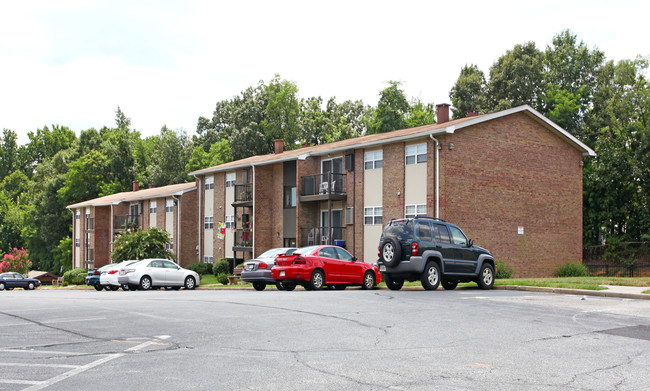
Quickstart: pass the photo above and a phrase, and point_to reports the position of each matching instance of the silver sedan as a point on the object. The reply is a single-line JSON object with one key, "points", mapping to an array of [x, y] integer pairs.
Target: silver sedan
{"points": [[155, 273], [258, 270]]}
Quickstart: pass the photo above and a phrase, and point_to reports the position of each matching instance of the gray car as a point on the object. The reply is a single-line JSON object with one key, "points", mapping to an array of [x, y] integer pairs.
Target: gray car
{"points": [[156, 273], [258, 270]]}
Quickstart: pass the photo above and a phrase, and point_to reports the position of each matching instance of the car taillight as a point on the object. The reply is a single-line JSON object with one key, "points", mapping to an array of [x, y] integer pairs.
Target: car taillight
{"points": [[262, 265], [379, 251], [97, 272], [415, 248], [299, 261], [130, 270], [112, 272]]}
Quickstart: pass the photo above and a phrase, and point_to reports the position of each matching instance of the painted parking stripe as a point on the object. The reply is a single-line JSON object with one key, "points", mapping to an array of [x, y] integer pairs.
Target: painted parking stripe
{"points": [[26, 382], [17, 364]]}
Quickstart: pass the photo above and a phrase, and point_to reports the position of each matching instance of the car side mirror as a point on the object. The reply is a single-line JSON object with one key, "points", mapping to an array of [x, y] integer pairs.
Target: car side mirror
{"points": [[470, 243], [354, 259]]}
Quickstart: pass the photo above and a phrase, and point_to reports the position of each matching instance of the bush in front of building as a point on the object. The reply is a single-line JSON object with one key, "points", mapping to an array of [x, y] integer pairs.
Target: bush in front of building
{"points": [[573, 269], [75, 276], [503, 269], [139, 244], [200, 267], [18, 262], [222, 278], [222, 266]]}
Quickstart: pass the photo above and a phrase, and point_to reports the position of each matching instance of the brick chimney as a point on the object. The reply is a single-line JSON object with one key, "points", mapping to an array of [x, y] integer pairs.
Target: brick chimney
{"points": [[472, 113], [136, 185], [279, 145], [151, 185], [442, 112]]}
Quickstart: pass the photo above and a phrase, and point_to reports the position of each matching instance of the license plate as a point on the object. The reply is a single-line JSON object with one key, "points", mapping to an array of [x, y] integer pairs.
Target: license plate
{"points": [[382, 268], [249, 267], [281, 273]]}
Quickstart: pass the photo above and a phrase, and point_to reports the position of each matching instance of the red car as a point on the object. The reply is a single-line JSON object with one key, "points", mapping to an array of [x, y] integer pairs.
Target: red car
{"points": [[316, 266]]}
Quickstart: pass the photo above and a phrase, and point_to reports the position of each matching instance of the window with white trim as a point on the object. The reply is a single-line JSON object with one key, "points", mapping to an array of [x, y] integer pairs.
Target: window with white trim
{"points": [[77, 242], [230, 221], [230, 179], [209, 183], [169, 206], [208, 222], [415, 210], [207, 259], [373, 159], [372, 215], [77, 215], [416, 153], [170, 245], [153, 206]]}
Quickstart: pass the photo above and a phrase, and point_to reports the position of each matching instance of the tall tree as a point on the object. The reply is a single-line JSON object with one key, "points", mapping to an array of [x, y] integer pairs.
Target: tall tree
{"points": [[469, 92], [282, 113], [391, 111], [170, 157]]}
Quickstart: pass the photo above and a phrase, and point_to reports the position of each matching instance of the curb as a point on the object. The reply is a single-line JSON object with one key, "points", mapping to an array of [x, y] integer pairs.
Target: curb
{"points": [[567, 291]]}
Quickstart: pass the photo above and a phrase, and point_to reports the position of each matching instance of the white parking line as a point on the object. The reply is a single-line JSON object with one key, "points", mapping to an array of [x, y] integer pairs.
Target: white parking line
{"points": [[10, 381], [17, 364], [52, 352]]}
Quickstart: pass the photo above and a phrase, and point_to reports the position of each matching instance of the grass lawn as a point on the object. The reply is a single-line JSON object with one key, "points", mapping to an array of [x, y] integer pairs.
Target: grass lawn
{"points": [[591, 283]]}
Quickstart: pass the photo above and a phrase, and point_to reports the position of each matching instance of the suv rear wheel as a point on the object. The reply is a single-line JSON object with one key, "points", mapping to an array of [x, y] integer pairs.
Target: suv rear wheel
{"points": [[431, 277], [391, 252], [486, 276], [394, 284]]}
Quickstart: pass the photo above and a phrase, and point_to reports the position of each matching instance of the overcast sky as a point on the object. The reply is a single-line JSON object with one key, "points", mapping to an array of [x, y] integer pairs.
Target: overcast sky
{"points": [[168, 62]]}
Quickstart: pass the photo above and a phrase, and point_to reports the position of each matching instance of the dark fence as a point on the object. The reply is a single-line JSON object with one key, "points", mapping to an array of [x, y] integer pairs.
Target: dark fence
{"points": [[626, 259], [619, 270], [326, 183]]}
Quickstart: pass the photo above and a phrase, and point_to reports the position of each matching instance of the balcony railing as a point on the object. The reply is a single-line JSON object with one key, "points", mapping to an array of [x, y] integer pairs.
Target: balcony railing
{"points": [[125, 222], [326, 183], [311, 236], [243, 240], [244, 193], [90, 223]]}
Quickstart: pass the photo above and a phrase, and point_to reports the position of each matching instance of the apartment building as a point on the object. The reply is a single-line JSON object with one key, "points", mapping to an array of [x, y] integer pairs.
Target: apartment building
{"points": [[511, 179], [96, 222]]}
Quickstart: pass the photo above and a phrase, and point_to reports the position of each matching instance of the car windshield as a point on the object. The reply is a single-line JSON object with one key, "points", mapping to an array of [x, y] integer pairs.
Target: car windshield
{"points": [[305, 250], [402, 229]]}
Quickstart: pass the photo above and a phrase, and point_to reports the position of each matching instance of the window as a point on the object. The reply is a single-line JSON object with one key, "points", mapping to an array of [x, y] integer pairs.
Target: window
{"points": [[207, 259], [170, 245], [372, 215], [416, 154], [208, 222], [415, 210], [153, 206], [334, 165], [373, 159], [230, 221], [343, 255], [77, 215], [423, 231], [442, 234], [169, 206], [77, 242], [327, 252], [289, 197], [209, 183], [230, 179], [457, 236]]}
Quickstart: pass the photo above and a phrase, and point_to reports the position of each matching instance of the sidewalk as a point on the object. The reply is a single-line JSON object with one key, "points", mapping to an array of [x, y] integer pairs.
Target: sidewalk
{"points": [[623, 292]]}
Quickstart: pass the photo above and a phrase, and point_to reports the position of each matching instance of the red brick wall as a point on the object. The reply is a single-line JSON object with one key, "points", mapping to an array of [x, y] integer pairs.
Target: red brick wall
{"points": [[189, 228], [266, 184], [355, 199], [102, 235], [393, 179], [508, 173]]}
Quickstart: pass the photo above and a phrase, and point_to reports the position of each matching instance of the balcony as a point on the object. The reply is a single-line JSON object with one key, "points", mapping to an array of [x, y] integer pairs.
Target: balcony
{"points": [[90, 223], [323, 187], [243, 240], [243, 195], [90, 258], [124, 222], [314, 236]]}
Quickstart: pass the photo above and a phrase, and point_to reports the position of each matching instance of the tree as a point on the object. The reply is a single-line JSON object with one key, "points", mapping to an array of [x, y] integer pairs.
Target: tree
{"points": [[46, 143], [391, 111], [420, 114], [170, 157], [139, 244], [84, 178], [281, 113], [516, 78], [219, 153], [8, 153], [62, 256], [469, 92]]}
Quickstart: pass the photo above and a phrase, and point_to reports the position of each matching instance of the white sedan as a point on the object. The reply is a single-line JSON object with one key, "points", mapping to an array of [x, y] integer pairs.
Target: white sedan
{"points": [[110, 273], [154, 273]]}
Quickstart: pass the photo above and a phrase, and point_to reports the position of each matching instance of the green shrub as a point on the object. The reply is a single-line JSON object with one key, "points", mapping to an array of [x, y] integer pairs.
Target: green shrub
{"points": [[75, 276], [503, 269], [200, 267], [221, 267], [222, 278], [573, 269]]}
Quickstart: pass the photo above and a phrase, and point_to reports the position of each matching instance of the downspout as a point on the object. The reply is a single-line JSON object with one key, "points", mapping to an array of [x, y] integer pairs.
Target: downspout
{"points": [[178, 228], [74, 249], [112, 233], [201, 218], [253, 217], [437, 175]]}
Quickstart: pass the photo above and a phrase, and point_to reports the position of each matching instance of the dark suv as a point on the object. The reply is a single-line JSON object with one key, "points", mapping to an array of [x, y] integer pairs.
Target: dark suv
{"points": [[433, 251]]}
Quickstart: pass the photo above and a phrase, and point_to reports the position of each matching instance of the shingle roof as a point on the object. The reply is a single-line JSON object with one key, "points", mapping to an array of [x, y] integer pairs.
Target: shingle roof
{"points": [[396, 135], [156, 192]]}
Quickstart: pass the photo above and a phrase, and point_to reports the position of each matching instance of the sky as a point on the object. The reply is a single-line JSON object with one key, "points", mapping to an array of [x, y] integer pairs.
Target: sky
{"points": [[73, 62]]}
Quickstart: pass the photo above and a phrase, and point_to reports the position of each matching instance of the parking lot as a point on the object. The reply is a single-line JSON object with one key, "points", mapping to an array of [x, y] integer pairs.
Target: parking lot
{"points": [[343, 340]]}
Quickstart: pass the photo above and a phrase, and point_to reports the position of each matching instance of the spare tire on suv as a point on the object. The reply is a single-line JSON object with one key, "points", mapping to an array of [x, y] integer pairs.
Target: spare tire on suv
{"points": [[431, 250]]}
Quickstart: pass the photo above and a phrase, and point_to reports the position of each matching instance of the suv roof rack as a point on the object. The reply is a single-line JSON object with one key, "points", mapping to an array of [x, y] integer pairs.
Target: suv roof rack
{"points": [[419, 217]]}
